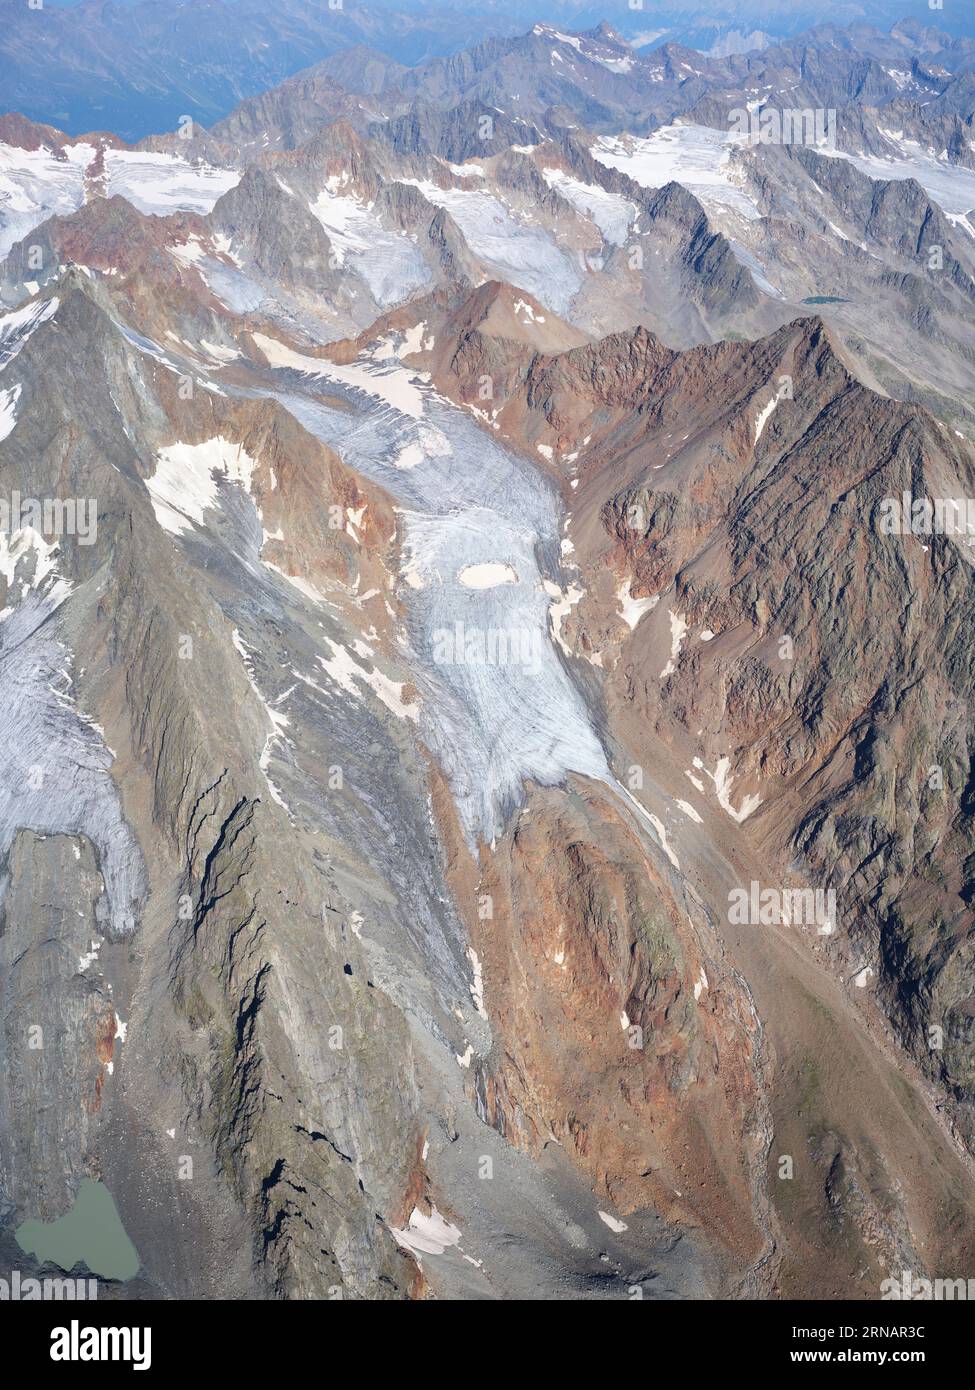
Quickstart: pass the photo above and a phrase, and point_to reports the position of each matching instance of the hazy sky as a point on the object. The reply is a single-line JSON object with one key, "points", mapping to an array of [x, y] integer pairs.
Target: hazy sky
{"points": [[137, 66]]}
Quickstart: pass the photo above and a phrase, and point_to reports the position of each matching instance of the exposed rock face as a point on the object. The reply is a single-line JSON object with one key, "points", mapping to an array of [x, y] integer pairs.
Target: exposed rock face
{"points": [[756, 552], [834, 718], [622, 1035], [280, 238], [468, 131], [220, 896], [59, 1021]]}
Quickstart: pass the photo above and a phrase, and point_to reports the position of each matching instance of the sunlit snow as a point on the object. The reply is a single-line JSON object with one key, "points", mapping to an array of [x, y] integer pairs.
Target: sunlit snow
{"points": [[17, 327], [695, 156], [611, 212], [389, 262], [951, 186], [8, 410], [522, 255], [34, 186], [161, 183], [184, 483]]}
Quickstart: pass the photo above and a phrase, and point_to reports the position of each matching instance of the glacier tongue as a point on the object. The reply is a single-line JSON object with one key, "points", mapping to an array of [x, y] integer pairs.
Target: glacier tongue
{"points": [[54, 776], [523, 255], [390, 264], [497, 704], [34, 186]]}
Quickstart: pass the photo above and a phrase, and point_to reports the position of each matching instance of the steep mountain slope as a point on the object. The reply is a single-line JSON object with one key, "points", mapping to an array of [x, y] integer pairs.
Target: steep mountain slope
{"points": [[329, 235], [136, 68], [583, 904], [486, 804], [740, 538]]}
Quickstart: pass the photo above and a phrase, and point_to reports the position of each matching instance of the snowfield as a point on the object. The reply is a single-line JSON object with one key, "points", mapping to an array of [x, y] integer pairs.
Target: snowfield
{"points": [[388, 262], [693, 155], [184, 484], [611, 212], [951, 186], [161, 183], [522, 255], [8, 411], [34, 186], [17, 327]]}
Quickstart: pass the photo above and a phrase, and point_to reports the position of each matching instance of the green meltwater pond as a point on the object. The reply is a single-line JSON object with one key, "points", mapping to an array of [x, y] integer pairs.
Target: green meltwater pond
{"points": [[91, 1233]]}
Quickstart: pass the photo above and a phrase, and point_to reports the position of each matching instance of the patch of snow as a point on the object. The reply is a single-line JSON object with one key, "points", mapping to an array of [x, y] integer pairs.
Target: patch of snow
{"points": [[409, 456], [188, 252], [522, 308], [17, 327], [346, 672], [477, 988], [26, 544], [722, 786], [633, 609], [678, 627], [278, 721], [90, 958], [224, 247], [661, 830], [559, 610], [764, 415], [184, 484], [426, 1233], [611, 212], [958, 219], [8, 410], [616, 1226], [486, 576], [219, 352], [296, 581]]}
